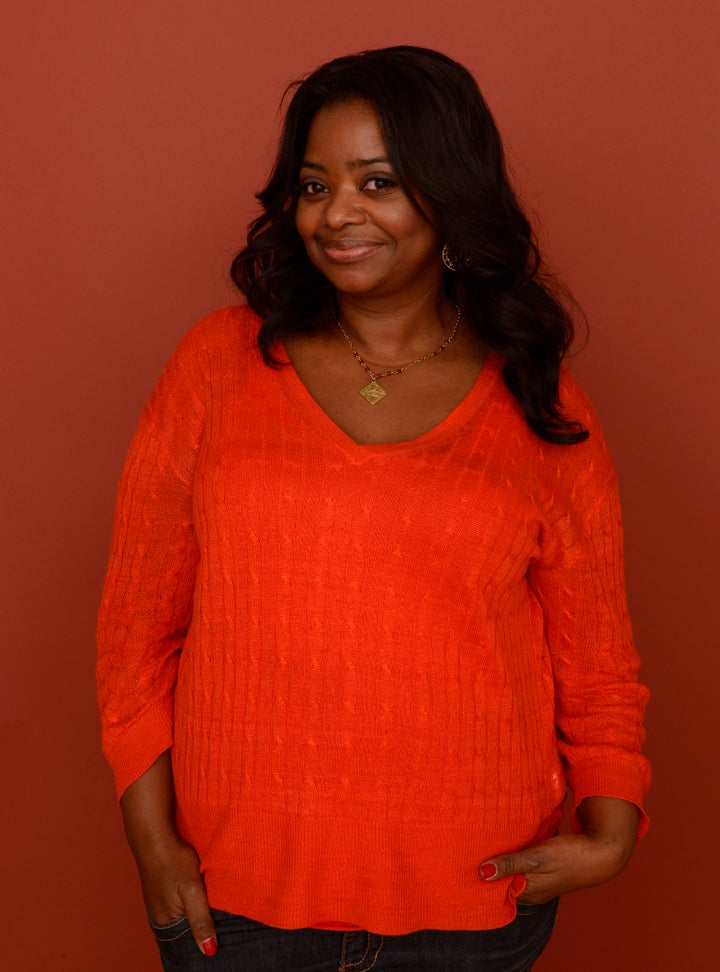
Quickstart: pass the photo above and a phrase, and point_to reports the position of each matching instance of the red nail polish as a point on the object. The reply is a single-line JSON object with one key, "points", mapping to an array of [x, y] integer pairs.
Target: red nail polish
{"points": [[209, 946], [488, 871]]}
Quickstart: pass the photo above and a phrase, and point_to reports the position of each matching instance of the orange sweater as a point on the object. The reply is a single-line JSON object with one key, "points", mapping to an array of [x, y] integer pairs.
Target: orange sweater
{"points": [[376, 665]]}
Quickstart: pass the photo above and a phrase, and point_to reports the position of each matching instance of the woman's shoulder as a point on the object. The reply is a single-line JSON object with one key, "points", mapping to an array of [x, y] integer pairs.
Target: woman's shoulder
{"points": [[219, 342], [573, 397], [577, 406], [589, 460], [233, 327]]}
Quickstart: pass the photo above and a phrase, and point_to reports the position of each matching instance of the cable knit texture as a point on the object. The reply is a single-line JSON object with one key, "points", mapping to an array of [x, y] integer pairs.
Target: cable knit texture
{"points": [[376, 665]]}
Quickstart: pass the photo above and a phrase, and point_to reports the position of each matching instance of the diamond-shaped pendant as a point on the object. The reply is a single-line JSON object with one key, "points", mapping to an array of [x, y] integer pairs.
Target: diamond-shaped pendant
{"points": [[373, 393]]}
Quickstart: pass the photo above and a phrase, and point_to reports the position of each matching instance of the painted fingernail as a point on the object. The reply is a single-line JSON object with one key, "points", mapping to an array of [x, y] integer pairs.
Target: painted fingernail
{"points": [[488, 871], [209, 946]]}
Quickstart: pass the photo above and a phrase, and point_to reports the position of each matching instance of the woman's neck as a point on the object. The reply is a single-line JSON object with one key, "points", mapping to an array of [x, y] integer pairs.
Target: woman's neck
{"points": [[386, 331]]}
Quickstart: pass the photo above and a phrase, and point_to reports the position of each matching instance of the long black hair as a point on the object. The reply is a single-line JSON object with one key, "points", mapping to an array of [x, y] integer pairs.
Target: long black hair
{"points": [[445, 147]]}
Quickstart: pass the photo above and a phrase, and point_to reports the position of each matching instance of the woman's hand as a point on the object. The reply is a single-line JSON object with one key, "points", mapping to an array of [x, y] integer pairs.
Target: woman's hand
{"points": [[172, 884], [173, 888], [573, 861]]}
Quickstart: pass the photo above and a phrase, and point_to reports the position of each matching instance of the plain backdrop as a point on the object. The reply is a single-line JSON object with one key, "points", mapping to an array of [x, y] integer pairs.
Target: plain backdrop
{"points": [[134, 136]]}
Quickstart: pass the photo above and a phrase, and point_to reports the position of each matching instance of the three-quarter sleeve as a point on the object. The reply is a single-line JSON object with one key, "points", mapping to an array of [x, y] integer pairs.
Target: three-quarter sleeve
{"points": [[147, 598], [579, 582]]}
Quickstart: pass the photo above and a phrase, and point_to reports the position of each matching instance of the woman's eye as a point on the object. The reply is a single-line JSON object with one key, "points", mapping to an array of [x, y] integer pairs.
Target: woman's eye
{"points": [[312, 188], [379, 183]]}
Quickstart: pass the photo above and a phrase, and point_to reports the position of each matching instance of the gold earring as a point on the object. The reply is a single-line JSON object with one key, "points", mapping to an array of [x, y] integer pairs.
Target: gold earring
{"points": [[452, 261]]}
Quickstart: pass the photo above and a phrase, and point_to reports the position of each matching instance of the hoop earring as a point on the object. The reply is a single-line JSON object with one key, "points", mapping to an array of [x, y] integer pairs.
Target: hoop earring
{"points": [[452, 261]]}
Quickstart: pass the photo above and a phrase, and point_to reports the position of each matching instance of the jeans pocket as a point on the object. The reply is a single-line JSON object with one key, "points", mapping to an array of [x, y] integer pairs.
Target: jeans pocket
{"points": [[526, 909], [172, 931]]}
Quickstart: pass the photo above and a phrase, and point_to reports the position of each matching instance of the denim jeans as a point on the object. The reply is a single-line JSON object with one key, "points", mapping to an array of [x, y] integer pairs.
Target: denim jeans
{"points": [[248, 946]]}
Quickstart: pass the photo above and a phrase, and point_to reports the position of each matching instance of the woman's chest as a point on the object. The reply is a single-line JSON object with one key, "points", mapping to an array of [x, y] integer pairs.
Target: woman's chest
{"points": [[372, 407], [467, 505]]}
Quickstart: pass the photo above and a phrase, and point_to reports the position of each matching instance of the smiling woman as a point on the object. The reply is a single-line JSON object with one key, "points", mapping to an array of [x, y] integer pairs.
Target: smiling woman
{"points": [[358, 637]]}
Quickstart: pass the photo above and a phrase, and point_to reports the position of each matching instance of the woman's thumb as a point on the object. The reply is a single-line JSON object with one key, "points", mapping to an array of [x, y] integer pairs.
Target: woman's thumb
{"points": [[506, 865], [201, 923]]}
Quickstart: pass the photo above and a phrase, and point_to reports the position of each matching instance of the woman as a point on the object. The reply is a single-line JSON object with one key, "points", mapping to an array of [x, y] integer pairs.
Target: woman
{"points": [[364, 618]]}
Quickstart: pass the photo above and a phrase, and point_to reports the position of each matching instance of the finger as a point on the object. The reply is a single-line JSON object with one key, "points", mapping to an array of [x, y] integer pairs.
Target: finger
{"points": [[505, 865], [200, 920]]}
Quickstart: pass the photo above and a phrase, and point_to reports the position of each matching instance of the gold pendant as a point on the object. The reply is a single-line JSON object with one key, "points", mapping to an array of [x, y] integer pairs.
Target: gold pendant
{"points": [[373, 393]]}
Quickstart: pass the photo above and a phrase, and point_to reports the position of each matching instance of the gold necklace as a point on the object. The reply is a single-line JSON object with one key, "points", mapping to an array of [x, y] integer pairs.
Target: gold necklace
{"points": [[374, 393]]}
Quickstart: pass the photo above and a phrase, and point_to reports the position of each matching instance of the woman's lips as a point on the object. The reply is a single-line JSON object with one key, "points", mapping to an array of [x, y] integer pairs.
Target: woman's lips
{"points": [[348, 251]]}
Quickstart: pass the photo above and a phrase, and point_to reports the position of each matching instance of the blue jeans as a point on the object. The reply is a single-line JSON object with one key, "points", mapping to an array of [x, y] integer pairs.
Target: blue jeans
{"points": [[248, 946]]}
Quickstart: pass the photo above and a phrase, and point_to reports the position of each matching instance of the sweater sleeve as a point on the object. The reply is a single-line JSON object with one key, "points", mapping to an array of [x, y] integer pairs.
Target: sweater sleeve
{"points": [[579, 582], [147, 598]]}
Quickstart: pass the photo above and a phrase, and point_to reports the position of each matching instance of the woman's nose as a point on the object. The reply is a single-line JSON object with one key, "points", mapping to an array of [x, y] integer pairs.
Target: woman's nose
{"points": [[344, 206]]}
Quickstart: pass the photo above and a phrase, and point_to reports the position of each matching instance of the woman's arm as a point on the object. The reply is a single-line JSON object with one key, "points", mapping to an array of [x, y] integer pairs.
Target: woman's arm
{"points": [[171, 881], [599, 703], [147, 600], [573, 861]]}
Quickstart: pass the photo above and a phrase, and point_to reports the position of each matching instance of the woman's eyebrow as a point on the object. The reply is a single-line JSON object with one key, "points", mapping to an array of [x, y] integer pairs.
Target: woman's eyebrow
{"points": [[351, 164], [364, 163]]}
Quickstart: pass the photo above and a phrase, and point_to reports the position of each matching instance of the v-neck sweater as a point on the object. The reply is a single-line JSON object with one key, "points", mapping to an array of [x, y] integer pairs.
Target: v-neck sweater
{"points": [[376, 665]]}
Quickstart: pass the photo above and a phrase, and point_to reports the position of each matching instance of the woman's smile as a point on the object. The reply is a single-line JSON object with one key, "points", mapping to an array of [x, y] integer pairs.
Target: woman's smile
{"points": [[349, 250]]}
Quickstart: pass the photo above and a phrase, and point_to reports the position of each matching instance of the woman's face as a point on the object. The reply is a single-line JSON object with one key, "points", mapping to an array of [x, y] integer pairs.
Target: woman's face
{"points": [[356, 221]]}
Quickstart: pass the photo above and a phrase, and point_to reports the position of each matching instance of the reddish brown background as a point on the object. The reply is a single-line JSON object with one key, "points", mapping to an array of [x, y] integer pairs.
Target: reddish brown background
{"points": [[137, 133]]}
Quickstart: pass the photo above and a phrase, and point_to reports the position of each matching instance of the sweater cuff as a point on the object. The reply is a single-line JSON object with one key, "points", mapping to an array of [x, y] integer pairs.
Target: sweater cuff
{"points": [[140, 745], [611, 778]]}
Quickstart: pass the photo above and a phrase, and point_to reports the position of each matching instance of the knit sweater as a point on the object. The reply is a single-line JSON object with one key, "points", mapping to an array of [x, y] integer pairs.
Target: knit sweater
{"points": [[376, 665]]}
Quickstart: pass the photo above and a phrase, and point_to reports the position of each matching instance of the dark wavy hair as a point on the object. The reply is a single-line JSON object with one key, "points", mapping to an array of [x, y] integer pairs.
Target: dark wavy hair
{"points": [[445, 148]]}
